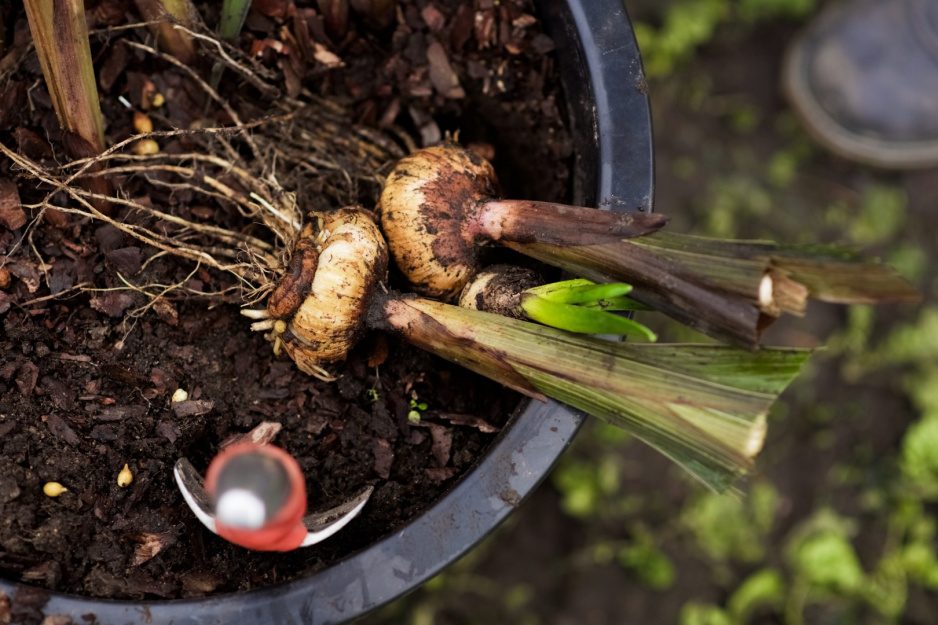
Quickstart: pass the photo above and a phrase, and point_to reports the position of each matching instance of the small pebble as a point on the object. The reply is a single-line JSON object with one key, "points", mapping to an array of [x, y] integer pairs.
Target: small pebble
{"points": [[180, 395]]}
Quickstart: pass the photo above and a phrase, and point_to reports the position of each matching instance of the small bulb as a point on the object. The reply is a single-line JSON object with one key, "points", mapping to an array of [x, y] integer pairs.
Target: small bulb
{"points": [[145, 147], [125, 477], [142, 122], [180, 395], [53, 489]]}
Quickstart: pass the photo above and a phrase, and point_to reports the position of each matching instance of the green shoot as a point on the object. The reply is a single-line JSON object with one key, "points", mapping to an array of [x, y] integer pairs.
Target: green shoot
{"points": [[233, 14], [582, 306], [415, 409], [580, 291]]}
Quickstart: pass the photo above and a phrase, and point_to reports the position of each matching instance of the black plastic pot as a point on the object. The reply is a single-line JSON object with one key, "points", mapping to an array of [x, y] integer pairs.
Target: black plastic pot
{"points": [[606, 95]]}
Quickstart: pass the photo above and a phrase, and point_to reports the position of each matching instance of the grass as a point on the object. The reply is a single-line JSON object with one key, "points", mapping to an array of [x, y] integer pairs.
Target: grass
{"points": [[840, 525]]}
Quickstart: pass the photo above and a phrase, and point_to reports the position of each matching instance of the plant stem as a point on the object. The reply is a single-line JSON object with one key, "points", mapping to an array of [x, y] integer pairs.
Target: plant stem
{"points": [[61, 38], [703, 406], [730, 290], [177, 42], [559, 224], [233, 14]]}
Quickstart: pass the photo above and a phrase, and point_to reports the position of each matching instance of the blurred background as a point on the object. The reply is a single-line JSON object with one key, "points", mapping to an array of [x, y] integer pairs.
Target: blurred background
{"points": [[839, 525]]}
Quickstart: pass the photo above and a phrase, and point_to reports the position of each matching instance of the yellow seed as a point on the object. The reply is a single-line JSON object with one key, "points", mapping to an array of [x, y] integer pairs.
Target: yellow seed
{"points": [[157, 100], [125, 477], [146, 146], [53, 489], [142, 122], [180, 395]]}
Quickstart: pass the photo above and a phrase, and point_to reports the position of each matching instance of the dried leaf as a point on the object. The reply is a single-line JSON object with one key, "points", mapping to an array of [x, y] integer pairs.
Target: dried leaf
{"points": [[12, 214], [118, 413], [26, 271], [62, 430], [193, 407], [166, 311], [26, 378], [150, 545], [112, 304], [384, 458], [262, 434], [168, 430], [31, 144], [458, 418], [125, 260], [442, 442], [322, 54], [63, 396]]}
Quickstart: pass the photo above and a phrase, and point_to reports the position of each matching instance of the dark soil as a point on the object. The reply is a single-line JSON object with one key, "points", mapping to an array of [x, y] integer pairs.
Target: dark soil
{"points": [[84, 390]]}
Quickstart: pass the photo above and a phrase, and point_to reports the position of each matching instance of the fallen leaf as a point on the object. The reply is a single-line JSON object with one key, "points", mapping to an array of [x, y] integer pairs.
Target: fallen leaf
{"points": [[324, 56], [193, 407], [458, 418], [168, 430], [384, 458], [166, 311], [27, 272], [26, 378], [149, 545], [62, 430], [125, 260], [262, 434], [442, 437], [112, 304]]}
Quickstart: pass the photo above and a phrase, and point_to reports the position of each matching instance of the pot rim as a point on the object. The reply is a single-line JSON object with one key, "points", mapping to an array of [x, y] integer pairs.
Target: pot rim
{"points": [[606, 95]]}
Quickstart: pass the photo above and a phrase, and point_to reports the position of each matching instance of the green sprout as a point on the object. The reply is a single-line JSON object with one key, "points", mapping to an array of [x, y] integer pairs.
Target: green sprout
{"points": [[586, 307], [373, 395], [233, 14], [415, 409]]}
